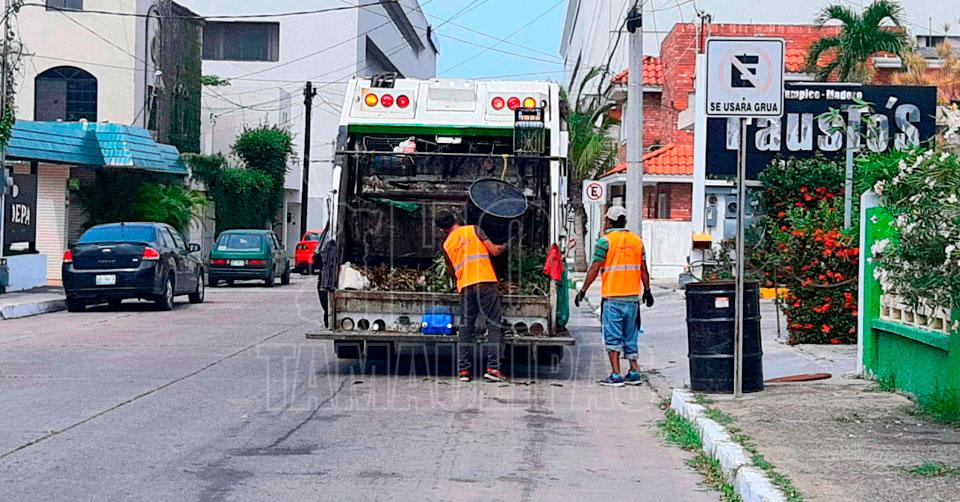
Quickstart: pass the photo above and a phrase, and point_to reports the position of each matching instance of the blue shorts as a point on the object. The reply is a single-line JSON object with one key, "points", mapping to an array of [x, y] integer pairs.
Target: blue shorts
{"points": [[618, 320]]}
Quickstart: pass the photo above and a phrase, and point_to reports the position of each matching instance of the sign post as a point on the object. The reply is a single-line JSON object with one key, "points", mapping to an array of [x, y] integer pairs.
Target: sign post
{"points": [[744, 80]]}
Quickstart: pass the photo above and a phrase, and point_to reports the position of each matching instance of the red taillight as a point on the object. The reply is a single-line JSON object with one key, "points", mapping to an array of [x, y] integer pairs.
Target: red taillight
{"points": [[256, 262], [403, 101], [150, 254], [513, 103], [386, 100], [218, 261], [68, 256], [498, 103]]}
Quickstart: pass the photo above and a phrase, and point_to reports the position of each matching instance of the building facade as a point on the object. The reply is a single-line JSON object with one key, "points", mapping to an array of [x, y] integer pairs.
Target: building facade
{"points": [[98, 65], [268, 60]]}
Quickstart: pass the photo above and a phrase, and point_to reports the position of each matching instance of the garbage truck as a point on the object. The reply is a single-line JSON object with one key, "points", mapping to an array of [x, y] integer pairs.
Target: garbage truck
{"points": [[407, 149]]}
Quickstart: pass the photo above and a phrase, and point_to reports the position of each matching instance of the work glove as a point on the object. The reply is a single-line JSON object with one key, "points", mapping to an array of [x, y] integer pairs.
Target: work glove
{"points": [[579, 298], [648, 298]]}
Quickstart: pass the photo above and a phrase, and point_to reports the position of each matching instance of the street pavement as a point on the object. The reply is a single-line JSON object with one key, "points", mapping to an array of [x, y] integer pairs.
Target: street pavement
{"points": [[228, 401]]}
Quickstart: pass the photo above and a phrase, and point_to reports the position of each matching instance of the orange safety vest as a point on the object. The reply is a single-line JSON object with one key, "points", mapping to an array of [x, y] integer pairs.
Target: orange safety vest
{"points": [[620, 275], [471, 261]]}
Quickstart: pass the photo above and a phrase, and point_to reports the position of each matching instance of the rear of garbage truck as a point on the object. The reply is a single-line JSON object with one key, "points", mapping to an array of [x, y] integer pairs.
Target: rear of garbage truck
{"points": [[491, 152]]}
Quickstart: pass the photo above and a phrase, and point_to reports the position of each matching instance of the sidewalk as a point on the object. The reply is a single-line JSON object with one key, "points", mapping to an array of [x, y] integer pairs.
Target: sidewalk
{"points": [[31, 302], [836, 439]]}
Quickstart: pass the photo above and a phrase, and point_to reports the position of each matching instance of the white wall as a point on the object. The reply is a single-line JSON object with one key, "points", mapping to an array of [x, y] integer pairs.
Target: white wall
{"points": [[327, 49], [107, 46]]}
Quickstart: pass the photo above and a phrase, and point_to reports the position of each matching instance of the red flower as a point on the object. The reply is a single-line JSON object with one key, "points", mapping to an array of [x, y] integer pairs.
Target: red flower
{"points": [[781, 214], [826, 328], [804, 189], [835, 341]]}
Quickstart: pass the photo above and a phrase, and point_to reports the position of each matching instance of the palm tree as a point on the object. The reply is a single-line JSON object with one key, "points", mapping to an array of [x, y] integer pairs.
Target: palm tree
{"points": [[591, 152], [861, 36]]}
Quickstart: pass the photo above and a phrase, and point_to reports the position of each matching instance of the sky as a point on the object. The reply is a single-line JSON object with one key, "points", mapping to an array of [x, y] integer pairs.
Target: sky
{"points": [[532, 29], [537, 38]]}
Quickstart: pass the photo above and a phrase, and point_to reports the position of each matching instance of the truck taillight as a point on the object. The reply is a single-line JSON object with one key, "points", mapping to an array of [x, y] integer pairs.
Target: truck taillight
{"points": [[150, 254], [498, 103], [371, 99], [403, 101], [513, 103], [68, 256], [386, 100], [529, 103]]}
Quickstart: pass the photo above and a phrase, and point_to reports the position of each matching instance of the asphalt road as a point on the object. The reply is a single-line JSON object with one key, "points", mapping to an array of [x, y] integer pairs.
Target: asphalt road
{"points": [[228, 401]]}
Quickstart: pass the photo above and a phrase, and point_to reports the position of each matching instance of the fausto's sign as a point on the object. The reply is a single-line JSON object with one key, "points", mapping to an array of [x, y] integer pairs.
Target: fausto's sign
{"points": [[898, 116]]}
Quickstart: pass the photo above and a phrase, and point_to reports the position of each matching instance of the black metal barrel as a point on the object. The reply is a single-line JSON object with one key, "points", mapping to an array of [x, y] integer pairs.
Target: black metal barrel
{"points": [[711, 328], [496, 206]]}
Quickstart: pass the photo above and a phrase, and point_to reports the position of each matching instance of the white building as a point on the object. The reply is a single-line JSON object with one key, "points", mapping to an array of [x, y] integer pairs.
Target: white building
{"points": [[96, 61], [268, 60]]}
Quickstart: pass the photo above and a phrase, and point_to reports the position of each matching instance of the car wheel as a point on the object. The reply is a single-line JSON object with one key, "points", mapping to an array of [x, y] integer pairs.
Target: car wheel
{"points": [[115, 303], [212, 281], [197, 296], [285, 278], [74, 305], [270, 280], [165, 302]]}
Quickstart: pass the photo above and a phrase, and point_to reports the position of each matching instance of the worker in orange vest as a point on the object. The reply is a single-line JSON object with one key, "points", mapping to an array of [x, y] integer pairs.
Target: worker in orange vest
{"points": [[620, 261], [468, 251]]}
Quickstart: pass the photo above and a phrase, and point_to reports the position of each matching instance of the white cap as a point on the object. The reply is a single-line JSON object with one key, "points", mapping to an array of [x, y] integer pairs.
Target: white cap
{"points": [[616, 212]]}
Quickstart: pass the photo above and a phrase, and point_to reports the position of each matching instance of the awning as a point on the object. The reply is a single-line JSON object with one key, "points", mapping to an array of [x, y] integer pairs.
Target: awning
{"points": [[93, 144]]}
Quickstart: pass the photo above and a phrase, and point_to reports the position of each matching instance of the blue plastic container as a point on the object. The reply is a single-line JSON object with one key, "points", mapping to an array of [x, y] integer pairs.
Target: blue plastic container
{"points": [[437, 321]]}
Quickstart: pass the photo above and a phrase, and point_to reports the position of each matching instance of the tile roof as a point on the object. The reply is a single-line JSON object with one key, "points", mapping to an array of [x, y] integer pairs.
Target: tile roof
{"points": [[652, 72], [795, 60], [671, 160], [93, 144]]}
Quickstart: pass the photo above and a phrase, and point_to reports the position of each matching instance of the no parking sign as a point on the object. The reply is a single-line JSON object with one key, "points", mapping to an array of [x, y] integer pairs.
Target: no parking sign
{"points": [[594, 192]]}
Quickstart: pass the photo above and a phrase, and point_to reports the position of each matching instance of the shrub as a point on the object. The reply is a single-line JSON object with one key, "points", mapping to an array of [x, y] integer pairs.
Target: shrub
{"points": [[921, 190], [116, 197], [243, 198], [802, 246]]}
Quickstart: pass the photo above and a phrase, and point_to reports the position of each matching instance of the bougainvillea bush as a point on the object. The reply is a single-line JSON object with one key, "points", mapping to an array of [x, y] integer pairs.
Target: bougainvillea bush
{"points": [[802, 246], [921, 190]]}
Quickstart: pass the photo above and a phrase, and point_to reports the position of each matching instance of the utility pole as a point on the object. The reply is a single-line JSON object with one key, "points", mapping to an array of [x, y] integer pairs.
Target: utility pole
{"points": [[4, 68], [634, 118], [308, 94]]}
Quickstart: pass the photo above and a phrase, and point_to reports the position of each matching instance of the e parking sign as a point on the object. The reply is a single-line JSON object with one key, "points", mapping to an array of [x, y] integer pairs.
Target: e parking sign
{"points": [[744, 77], [594, 192]]}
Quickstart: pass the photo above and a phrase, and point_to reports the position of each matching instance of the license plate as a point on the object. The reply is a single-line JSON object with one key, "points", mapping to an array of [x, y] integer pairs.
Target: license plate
{"points": [[106, 280], [237, 263]]}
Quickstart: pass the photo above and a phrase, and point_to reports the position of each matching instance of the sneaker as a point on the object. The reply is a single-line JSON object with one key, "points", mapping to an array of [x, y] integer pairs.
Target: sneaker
{"points": [[614, 380], [494, 375], [465, 376], [633, 378]]}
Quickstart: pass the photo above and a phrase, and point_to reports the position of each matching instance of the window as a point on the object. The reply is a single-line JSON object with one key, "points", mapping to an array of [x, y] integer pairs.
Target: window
{"points": [[663, 205], [178, 240], [229, 41], [66, 93], [240, 242], [64, 4], [119, 233]]}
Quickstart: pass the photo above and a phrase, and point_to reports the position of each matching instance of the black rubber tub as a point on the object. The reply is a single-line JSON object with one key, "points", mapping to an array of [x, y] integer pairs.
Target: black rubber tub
{"points": [[497, 207], [711, 325]]}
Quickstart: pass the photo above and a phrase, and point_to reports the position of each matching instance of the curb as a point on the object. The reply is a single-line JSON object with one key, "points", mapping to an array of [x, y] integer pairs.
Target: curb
{"points": [[750, 483], [19, 310]]}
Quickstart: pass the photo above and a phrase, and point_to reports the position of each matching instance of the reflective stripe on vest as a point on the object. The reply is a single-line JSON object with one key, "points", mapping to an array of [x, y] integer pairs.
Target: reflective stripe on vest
{"points": [[470, 259], [621, 271]]}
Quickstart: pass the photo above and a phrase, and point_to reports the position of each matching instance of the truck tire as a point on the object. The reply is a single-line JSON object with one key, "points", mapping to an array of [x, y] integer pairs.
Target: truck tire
{"points": [[74, 305], [348, 350]]}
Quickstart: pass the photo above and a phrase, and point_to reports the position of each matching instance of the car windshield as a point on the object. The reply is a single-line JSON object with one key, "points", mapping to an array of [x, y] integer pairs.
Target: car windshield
{"points": [[119, 233], [312, 237], [240, 242]]}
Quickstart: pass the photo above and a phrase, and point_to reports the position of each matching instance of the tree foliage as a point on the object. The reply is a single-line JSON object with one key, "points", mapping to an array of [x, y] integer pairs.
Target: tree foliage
{"points": [[133, 196], [946, 77], [862, 35], [266, 149]]}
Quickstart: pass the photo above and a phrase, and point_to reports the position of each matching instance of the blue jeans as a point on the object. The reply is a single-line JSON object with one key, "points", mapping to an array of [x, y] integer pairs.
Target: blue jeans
{"points": [[618, 320]]}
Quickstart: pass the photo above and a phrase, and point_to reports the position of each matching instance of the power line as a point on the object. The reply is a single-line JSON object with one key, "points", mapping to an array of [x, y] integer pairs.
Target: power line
{"points": [[215, 17], [518, 30]]}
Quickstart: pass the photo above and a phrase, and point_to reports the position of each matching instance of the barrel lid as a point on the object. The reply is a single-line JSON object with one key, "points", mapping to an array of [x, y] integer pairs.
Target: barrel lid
{"points": [[498, 198]]}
